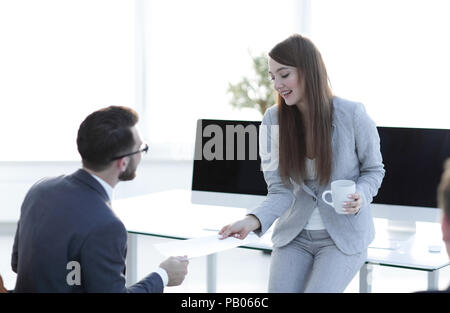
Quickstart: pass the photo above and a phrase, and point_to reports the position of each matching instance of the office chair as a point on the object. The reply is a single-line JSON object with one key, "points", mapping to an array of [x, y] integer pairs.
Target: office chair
{"points": [[2, 288]]}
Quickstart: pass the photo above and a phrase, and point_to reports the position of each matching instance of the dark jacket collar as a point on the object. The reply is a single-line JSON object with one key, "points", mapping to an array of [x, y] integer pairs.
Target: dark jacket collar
{"points": [[87, 179]]}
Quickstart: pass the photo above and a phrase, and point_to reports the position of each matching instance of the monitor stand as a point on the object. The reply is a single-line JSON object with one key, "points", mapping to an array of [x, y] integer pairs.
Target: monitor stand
{"points": [[401, 230]]}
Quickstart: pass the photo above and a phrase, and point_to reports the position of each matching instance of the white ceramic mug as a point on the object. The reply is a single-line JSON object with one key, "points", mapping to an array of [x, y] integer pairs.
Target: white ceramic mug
{"points": [[340, 189]]}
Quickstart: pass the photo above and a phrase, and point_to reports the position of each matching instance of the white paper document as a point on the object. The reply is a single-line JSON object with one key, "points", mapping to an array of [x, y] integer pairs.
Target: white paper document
{"points": [[202, 246]]}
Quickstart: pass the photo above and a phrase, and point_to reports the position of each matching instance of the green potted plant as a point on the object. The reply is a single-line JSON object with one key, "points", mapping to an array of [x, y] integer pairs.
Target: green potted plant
{"points": [[256, 92]]}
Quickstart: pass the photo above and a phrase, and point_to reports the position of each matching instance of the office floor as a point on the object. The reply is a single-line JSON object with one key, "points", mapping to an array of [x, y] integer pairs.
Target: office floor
{"points": [[239, 270]]}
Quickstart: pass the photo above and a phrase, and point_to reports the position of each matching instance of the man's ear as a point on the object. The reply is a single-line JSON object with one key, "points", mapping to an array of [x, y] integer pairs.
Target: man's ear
{"points": [[122, 163], [445, 226]]}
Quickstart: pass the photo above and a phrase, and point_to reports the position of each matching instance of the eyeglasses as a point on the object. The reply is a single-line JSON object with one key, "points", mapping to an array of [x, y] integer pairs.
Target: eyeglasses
{"points": [[143, 149]]}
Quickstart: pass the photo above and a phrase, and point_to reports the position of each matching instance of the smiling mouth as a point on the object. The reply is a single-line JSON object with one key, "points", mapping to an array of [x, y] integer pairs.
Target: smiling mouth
{"points": [[286, 93]]}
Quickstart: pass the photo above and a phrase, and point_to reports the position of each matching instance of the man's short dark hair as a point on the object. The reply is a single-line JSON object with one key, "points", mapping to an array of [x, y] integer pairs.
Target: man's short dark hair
{"points": [[104, 134], [444, 189]]}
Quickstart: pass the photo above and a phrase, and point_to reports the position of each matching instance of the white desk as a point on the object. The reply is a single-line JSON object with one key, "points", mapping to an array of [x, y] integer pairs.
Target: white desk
{"points": [[171, 214], [408, 251]]}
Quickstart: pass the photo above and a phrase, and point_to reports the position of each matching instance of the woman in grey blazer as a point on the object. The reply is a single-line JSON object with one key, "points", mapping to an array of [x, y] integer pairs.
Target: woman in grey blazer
{"points": [[309, 139]]}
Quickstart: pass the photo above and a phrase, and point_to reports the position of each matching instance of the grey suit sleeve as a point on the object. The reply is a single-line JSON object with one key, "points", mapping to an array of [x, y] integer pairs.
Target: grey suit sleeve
{"points": [[279, 197], [103, 263], [369, 154]]}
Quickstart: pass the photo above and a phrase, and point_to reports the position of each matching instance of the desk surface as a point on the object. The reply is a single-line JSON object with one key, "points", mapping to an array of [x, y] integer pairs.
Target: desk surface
{"points": [[171, 214]]}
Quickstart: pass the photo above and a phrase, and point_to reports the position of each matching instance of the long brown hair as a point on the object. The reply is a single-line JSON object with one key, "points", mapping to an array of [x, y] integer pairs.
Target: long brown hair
{"points": [[301, 53]]}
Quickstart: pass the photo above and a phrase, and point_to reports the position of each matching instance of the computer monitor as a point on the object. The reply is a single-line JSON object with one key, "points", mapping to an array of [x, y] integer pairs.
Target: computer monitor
{"points": [[413, 159], [227, 166]]}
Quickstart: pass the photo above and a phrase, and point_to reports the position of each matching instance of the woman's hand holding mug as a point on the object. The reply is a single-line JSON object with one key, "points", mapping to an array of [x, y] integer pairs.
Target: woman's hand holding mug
{"points": [[345, 199]]}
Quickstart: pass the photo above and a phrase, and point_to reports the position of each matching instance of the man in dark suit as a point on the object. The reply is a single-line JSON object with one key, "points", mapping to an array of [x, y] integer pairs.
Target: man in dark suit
{"points": [[444, 203], [68, 239], [443, 195]]}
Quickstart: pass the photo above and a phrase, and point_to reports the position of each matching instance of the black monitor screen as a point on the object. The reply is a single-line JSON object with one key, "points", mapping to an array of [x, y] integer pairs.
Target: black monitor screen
{"points": [[413, 160], [227, 158]]}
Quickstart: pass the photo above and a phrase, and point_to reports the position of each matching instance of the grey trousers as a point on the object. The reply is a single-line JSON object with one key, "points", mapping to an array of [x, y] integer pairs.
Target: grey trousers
{"points": [[312, 263]]}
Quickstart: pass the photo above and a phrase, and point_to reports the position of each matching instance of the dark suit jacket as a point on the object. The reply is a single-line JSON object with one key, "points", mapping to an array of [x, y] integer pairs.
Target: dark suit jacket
{"points": [[65, 219]]}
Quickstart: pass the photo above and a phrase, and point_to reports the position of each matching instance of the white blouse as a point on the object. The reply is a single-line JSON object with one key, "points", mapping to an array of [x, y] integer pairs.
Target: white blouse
{"points": [[315, 221]]}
